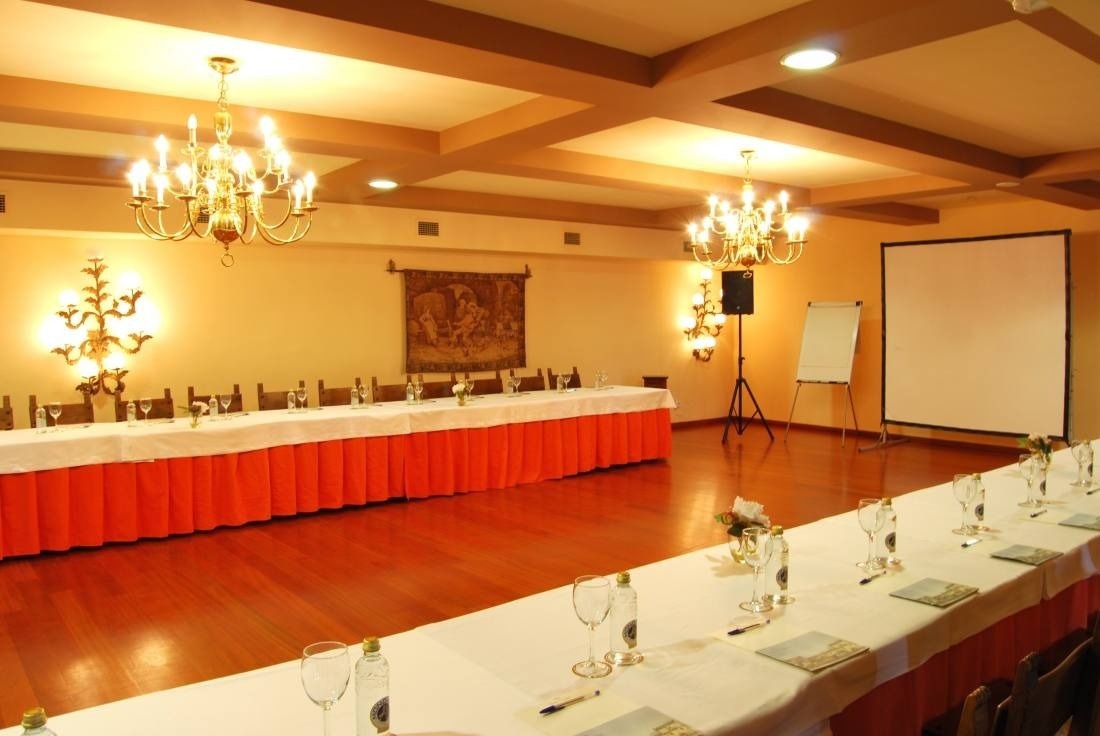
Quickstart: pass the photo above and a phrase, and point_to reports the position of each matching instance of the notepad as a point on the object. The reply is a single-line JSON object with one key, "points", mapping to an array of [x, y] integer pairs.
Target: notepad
{"points": [[642, 722], [813, 651], [933, 592], [1082, 521], [1025, 554]]}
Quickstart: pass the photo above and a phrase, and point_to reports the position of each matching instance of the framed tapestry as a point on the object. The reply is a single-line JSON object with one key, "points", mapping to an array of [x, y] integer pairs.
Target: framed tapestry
{"points": [[456, 321]]}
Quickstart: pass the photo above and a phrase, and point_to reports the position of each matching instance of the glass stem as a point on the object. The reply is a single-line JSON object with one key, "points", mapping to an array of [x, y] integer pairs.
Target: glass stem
{"points": [[755, 581], [966, 507], [1080, 474], [325, 719], [870, 550], [591, 644]]}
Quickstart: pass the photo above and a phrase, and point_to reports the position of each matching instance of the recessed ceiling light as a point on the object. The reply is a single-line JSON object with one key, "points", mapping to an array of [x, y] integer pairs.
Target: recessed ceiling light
{"points": [[383, 184], [809, 59]]}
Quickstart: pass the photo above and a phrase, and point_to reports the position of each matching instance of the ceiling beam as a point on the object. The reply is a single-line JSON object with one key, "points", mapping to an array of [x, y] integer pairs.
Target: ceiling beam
{"points": [[893, 213], [1066, 31], [886, 190]]}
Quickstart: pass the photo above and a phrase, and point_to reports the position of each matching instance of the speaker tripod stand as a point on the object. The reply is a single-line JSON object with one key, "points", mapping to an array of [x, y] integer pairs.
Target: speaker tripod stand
{"points": [[737, 402]]}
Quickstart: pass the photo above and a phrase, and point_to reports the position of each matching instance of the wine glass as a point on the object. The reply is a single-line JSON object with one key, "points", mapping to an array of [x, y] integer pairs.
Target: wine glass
{"points": [[364, 395], [55, 411], [225, 400], [325, 673], [964, 487], [470, 389], [513, 386], [1082, 453], [591, 601], [418, 390], [301, 394], [565, 378], [145, 404], [756, 546], [1030, 469], [871, 518]]}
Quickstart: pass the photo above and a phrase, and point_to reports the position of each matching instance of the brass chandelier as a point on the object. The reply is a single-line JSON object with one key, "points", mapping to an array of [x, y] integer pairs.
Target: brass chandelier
{"points": [[748, 234], [222, 193]]}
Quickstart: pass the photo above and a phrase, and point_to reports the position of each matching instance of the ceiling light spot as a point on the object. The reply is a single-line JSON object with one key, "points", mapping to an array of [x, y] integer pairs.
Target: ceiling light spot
{"points": [[383, 184], [809, 59]]}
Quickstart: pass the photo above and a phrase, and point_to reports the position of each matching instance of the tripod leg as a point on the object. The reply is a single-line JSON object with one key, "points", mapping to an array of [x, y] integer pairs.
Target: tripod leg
{"points": [[729, 415], [797, 388], [763, 420]]}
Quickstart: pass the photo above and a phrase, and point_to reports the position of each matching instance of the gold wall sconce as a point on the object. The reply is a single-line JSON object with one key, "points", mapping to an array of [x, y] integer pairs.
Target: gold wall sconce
{"points": [[706, 323]]}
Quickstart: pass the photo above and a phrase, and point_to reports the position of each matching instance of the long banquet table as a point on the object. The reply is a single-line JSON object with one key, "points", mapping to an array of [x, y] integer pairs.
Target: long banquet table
{"points": [[489, 672], [89, 485]]}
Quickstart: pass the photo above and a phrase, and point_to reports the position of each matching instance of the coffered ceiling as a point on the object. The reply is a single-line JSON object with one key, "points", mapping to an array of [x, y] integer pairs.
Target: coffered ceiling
{"points": [[607, 111]]}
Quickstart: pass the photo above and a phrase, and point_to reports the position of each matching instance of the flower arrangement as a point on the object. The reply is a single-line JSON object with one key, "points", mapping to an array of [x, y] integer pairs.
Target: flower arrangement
{"points": [[460, 390], [742, 515], [1037, 444], [196, 410]]}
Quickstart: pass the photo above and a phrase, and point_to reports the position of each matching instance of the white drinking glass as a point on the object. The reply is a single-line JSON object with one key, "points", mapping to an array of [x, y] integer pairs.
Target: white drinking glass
{"points": [[871, 518], [325, 673], [364, 395], [756, 547], [145, 404], [225, 400], [964, 488], [1031, 470], [565, 378], [591, 602], [1082, 453], [54, 407], [301, 395]]}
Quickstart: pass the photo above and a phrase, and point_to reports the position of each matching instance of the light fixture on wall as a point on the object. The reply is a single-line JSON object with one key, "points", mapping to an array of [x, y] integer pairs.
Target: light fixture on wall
{"points": [[702, 329], [748, 234], [97, 338], [221, 192]]}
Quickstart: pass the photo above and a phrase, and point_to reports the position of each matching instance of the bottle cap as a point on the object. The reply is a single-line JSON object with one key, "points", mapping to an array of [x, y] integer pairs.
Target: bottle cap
{"points": [[887, 502], [623, 578], [777, 531], [371, 645], [34, 717]]}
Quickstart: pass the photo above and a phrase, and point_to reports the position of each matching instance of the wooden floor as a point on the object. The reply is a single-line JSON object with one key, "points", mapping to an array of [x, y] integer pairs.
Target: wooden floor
{"points": [[92, 626]]}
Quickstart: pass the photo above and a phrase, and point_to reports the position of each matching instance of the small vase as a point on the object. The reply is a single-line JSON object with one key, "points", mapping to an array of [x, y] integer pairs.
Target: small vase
{"points": [[735, 549], [194, 421], [1043, 458], [461, 399]]}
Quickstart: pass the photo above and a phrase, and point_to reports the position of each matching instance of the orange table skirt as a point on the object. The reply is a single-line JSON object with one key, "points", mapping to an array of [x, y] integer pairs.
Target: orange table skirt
{"points": [[91, 505], [901, 705]]}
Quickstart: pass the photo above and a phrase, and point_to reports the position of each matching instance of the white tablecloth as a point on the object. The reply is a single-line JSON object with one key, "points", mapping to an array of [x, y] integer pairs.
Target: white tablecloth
{"points": [[487, 673], [24, 450]]}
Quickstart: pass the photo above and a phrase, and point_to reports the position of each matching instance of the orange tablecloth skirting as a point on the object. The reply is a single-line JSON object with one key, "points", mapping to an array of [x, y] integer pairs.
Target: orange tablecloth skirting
{"points": [[91, 505], [901, 705]]}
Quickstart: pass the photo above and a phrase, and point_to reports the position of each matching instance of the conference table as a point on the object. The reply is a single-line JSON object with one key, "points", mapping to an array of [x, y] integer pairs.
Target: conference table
{"points": [[88, 485], [488, 673]]}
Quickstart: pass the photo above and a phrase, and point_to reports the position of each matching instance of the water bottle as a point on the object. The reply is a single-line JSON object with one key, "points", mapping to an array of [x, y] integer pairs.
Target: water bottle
{"points": [[372, 690], [213, 406], [410, 394], [291, 402], [776, 571], [34, 722], [886, 538], [131, 414], [354, 396], [560, 384], [624, 623], [975, 514]]}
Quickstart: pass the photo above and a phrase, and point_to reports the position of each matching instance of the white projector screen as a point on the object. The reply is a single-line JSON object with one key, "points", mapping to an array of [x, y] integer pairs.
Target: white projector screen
{"points": [[975, 334]]}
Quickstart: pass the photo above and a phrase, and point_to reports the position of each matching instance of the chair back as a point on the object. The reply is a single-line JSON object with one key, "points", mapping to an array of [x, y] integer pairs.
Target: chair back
{"points": [[7, 417], [236, 404], [162, 407], [337, 396], [386, 392], [1086, 715], [530, 383], [975, 720], [435, 389], [1041, 704], [269, 400], [552, 378], [76, 413], [487, 384]]}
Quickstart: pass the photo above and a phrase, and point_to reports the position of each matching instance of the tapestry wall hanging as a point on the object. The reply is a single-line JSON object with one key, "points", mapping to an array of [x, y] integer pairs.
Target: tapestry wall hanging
{"points": [[462, 322]]}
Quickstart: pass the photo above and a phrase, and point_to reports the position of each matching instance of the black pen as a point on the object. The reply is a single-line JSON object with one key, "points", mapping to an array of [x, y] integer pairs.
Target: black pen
{"points": [[869, 578], [566, 703], [1094, 490], [970, 543], [750, 627], [1037, 513]]}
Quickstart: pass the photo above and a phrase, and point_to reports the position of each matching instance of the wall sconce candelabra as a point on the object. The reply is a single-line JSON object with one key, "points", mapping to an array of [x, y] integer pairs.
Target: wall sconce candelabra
{"points": [[97, 332], [703, 328], [748, 233]]}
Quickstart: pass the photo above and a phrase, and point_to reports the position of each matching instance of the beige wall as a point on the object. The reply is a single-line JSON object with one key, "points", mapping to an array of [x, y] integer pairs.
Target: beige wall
{"points": [[326, 308]]}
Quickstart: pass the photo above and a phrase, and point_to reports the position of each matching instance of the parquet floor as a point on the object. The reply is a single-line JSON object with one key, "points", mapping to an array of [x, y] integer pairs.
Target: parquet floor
{"points": [[92, 626]]}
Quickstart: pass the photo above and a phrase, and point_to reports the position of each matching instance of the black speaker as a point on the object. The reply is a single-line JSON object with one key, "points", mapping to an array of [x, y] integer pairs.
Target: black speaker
{"points": [[737, 292]]}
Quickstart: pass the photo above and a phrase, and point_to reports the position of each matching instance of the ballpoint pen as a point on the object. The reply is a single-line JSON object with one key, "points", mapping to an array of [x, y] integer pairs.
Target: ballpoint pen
{"points": [[750, 627], [555, 707], [869, 578], [1037, 513], [970, 542]]}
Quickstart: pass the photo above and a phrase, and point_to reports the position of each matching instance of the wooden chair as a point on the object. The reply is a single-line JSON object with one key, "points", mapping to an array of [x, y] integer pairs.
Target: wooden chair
{"points": [[1041, 704], [340, 396], [236, 404], [386, 392], [434, 389], [487, 385], [552, 379], [76, 413], [1086, 716], [162, 408], [270, 400], [976, 712], [530, 383], [7, 417]]}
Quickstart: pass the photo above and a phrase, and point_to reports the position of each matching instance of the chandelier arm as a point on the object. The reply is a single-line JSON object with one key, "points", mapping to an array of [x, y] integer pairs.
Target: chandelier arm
{"points": [[141, 218], [294, 236]]}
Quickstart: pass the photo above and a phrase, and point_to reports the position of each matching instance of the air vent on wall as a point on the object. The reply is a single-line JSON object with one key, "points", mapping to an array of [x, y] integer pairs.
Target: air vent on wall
{"points": [[572, 238], [204, 217], [3, 203], [427, 228], [687, 246]]}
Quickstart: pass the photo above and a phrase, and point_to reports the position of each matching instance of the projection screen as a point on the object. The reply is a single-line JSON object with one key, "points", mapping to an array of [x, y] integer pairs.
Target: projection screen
{"points": [[975, 333]]}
